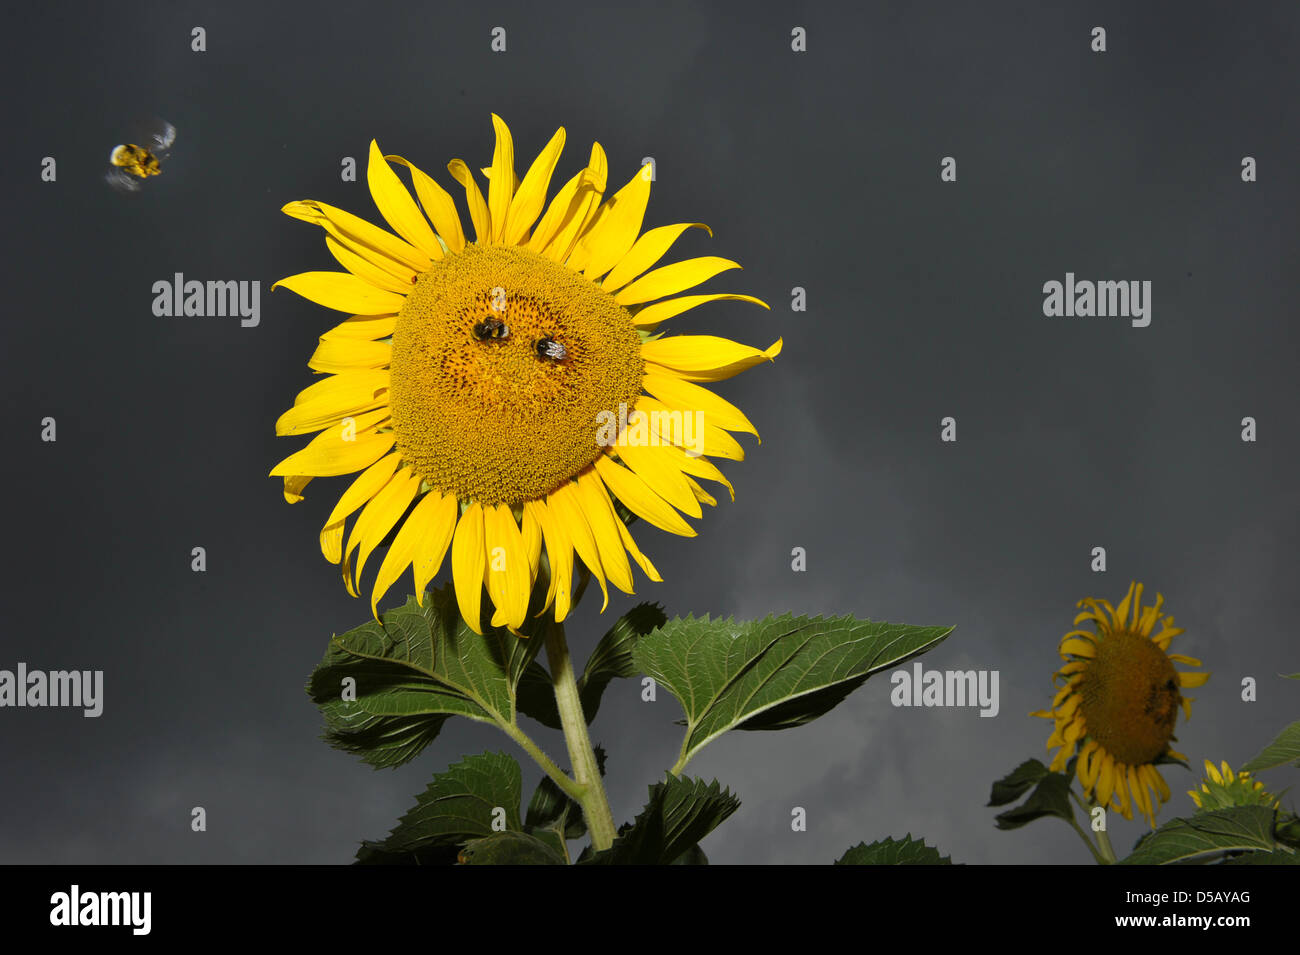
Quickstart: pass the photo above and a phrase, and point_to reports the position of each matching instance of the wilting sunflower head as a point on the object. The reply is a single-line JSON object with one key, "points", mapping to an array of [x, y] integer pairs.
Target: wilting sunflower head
{"points": [[1222, 789], [511, 398], [1118, 700]]}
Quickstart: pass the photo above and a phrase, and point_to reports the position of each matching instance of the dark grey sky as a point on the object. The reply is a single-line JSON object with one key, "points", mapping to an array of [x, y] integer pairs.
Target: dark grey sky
{"points": [[818, 170]]}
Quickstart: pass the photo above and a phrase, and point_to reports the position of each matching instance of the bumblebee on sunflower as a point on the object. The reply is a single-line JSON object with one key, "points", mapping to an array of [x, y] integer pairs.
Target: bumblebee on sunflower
{"points": [[466, 385]]}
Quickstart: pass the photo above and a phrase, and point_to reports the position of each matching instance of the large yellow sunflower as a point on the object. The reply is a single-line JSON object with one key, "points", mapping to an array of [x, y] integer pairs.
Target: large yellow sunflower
{"points": [[1119, 702], [490, 392]]}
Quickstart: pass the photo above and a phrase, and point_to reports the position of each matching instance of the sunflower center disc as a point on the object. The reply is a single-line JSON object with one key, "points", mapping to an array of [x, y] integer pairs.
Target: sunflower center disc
{"points": [[1130, 698], [475, 407]]}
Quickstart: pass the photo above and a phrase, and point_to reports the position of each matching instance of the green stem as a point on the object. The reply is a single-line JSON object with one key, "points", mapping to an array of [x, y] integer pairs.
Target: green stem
{"points": [[571, 788], [595, 805], [1107, 851], [682, 758], [1106, 855]]}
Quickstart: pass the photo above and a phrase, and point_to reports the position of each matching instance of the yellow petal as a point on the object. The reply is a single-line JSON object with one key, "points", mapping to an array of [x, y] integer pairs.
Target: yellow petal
{"points": [[704, 357], [365, 487], [478, 209], [376, 380], [641, 559], [1190, 681], [671, 279], [1158, 783], [502, 183], [438, 205], [647, 250], [343, 292], [1139, 791], [1166, 636], [1105, 780], [366, 270], [362, 237], [1078, 647], [655, 467], [640, 499], [531, 532], [560, 554], [611, 238], [406, 545], [380, 516], [1189, 661], [508, 580], [341, 355], [437, 527], [1087, 767], [468, 559], [330, 454], [294, 485], [652, 315], [560, 210], [689, 430], [697, 466], [1131, 599], [598, 510], [528, 201], [585, 203], [1150, 616], [566, 510], [331, 408], [397, 207], [364, 327]]}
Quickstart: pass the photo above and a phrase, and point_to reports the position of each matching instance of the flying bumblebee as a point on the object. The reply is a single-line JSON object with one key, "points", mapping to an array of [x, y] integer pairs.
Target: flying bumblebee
{"points": [[130, 164]]}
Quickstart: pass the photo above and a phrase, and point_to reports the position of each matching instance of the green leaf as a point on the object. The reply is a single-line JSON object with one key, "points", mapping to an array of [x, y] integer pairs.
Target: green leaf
{"points": [[1265, 858], [681, 812], [1290, 676], [1051, 797], [1284, 749], [509, 848], [536, 696], [692, 856], [1016, 783], [772, 673], [905, 851], [413, 672], [612, 658], [458, 805], [1219, 830]]}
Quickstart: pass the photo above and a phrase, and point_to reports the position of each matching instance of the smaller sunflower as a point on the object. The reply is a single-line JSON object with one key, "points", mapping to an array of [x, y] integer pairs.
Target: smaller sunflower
{"points": [[1117, 702], [1223, 789]]}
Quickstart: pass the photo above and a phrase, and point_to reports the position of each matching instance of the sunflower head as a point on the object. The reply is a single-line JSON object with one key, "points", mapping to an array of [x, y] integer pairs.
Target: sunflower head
{"points": [[1222, 789], [471, 387], [1117, 702]]}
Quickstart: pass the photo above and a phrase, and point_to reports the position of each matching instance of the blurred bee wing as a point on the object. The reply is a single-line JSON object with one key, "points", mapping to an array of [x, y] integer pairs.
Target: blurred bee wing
{"points": [[122, 181], [163, 136]]}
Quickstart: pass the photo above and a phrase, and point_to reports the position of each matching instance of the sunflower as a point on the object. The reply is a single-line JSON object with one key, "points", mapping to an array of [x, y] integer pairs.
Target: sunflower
{"points": [[1119, 702], [1222, 789], [509, 399]]}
